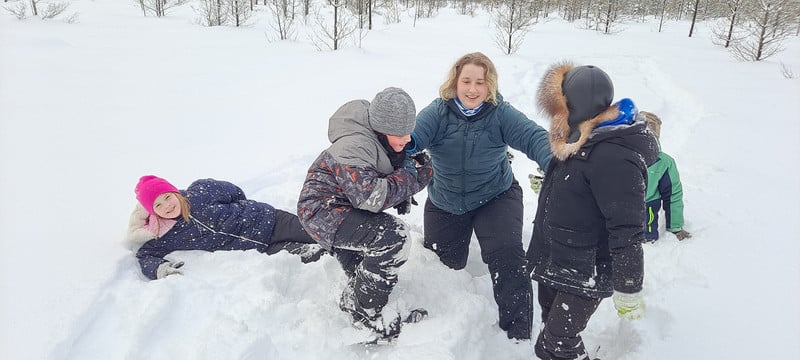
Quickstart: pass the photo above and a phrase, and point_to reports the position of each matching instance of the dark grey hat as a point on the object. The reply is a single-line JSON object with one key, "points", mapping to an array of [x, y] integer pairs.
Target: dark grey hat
{"points": [[392, 112], [589, 91]]}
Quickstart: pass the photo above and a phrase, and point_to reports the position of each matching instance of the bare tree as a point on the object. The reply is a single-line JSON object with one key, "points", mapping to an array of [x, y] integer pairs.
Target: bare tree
{"points": [[725, 32], [766, 27], [212, 12], [20, 10], [662, 13], [51, 11], [467, 7], [283, 12], [392, 12], [512, 22], [331, 32], [54, 9], [239, 12], [610, 16], [694, 16], [603, 16], [158, 7]]}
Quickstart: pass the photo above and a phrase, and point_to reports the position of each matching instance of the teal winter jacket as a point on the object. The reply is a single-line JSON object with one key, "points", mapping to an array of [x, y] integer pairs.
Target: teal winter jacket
{"points": [[469, 155]]}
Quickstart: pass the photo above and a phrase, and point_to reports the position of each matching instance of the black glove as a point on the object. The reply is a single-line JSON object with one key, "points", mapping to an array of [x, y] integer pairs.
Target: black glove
{"points": [[405, 206], [421, 158]]}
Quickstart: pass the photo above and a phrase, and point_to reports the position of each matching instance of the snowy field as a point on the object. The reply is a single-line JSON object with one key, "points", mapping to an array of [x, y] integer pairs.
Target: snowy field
{"points": [[87, 108]]}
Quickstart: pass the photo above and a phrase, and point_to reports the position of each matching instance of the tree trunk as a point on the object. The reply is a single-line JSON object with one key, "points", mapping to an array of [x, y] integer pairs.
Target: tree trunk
{"points": [[369, 13], [694, 17], [763, 34], [33, 5], [335, 27], [730, 30]]}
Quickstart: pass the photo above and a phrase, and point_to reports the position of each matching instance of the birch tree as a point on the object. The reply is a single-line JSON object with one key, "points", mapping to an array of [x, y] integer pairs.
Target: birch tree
{"points": [[513, 20]]}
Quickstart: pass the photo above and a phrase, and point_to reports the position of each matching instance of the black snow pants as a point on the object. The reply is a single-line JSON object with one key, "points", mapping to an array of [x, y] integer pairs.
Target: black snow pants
{"points": [[288, 234], [564, 316], [371, 248], [498, 228]]}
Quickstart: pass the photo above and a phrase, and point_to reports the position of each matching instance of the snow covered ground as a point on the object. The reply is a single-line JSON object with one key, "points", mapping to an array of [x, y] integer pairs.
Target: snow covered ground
{"points": [[87, 108]]}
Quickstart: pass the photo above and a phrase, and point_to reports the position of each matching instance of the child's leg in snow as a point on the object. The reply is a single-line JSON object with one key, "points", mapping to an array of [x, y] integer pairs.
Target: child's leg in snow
{"points": [[382, 240], [567, 316], [289, 235]]}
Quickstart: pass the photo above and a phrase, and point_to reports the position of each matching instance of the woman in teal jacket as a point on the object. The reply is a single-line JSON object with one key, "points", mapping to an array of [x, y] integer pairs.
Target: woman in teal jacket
{"points": [[467, 131]]}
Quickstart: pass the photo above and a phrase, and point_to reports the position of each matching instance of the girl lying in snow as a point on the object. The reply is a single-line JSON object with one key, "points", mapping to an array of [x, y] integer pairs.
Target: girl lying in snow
{"points": [[209, 215]]}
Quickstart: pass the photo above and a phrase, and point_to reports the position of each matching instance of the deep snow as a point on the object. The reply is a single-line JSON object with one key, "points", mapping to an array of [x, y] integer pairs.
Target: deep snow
{"points": [[87, 108]]}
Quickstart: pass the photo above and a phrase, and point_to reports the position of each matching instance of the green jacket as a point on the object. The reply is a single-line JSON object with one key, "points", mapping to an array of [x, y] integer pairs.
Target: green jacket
{"points": [[664, 185]]}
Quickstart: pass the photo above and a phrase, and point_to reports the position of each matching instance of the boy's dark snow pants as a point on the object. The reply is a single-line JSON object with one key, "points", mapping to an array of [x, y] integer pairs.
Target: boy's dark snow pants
{"points": [[564, 316], [371, 248]]}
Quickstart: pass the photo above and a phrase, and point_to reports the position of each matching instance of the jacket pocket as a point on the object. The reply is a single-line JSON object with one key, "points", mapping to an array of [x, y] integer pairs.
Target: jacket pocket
{"points": [[573, 238]]}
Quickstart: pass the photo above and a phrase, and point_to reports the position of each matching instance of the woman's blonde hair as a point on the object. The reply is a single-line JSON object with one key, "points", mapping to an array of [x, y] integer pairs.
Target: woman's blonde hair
{"points": [[448, 90]]}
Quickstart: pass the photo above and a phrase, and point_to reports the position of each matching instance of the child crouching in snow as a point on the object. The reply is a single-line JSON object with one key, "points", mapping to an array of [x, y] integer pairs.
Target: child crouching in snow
{"points": [[209, 215], [364, 172]]}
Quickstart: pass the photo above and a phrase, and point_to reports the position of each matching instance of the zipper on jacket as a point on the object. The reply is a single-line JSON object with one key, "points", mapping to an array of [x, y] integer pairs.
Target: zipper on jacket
{"points": [[464, 148]]}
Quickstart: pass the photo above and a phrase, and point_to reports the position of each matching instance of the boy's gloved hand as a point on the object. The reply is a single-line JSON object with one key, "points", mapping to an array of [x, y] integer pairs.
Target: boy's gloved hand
{"points": [[682, 234], [168, 268], [421, 158], [410, 166], [424, 167], [405, 206], [629, 306], [536, 180]]}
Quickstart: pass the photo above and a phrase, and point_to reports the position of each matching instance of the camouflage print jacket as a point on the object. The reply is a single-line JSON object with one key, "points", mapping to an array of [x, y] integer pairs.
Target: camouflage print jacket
{"points": [[354, 172]]}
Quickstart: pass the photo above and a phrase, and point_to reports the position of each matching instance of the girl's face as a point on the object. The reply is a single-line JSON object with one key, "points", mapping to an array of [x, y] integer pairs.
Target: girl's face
{"points": [[167, 206], [471, 87], [398, 142]]}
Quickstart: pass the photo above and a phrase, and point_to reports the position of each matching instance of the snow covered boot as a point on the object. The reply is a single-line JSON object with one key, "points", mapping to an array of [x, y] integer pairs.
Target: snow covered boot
{"points": [[385, 330]]}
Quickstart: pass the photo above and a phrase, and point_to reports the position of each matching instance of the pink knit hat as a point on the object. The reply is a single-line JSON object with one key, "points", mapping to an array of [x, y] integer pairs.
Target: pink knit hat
{"points": [[149, 188]]}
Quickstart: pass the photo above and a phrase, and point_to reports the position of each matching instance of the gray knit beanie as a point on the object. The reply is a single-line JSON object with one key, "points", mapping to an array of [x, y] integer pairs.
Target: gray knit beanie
{"points": [[392, 112]]}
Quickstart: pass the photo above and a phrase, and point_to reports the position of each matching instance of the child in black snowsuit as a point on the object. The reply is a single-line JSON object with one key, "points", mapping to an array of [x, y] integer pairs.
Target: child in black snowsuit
{"points": [[586, 242]]}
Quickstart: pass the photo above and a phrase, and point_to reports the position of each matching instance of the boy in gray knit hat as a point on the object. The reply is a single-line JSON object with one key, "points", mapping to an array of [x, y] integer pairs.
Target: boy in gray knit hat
{"points": [[364, 172]]}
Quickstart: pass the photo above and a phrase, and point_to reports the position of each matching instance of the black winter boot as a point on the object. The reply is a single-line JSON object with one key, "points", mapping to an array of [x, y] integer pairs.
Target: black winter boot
{"points": [[373, 320]]}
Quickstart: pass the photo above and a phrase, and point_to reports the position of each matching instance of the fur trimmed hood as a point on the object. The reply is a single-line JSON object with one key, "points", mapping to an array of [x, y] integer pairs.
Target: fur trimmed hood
{"points": [[567, 134], [143, 227]]}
